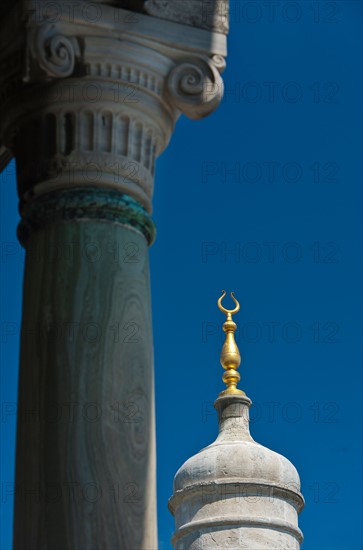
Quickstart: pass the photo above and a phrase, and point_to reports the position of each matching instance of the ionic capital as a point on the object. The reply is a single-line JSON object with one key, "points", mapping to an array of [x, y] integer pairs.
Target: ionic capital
{"points": [[91, 93]]}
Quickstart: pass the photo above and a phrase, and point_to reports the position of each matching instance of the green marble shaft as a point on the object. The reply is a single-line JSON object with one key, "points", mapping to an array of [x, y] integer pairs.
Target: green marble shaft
{"points": [[85, 467]]}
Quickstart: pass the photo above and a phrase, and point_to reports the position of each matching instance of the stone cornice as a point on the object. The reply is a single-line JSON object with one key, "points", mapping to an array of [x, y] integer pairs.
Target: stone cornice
{"points": [[170, 34]]}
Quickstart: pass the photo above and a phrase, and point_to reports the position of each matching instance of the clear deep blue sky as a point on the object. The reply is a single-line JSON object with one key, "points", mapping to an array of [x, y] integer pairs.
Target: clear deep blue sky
{"points": [[291, 124]]}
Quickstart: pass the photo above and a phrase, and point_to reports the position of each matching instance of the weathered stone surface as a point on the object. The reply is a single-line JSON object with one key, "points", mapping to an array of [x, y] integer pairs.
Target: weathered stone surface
{"points": [[236, 493], [204, 14]]}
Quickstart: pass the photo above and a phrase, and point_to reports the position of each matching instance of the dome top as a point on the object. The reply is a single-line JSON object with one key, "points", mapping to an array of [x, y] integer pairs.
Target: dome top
{"points": [[236, 457]]}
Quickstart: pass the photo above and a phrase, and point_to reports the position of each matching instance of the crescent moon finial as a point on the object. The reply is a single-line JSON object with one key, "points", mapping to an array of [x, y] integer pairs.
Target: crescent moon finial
{"points": [[230, 355], [228, 312]]}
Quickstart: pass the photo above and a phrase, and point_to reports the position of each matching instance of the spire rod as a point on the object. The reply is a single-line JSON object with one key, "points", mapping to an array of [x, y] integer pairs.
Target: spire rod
{"points": [[230, 355]]}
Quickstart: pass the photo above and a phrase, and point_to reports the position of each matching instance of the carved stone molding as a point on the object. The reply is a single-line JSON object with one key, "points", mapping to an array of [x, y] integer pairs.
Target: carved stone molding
{"points": [[88, 145]]}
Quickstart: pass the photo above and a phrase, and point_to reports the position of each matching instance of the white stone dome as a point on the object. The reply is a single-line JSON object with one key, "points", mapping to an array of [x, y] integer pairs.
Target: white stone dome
{"points": [[235, 484], [238, 459]]}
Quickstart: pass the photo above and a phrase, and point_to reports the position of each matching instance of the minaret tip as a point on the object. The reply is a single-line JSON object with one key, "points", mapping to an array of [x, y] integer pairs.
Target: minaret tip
{"points": [[230, 355]]}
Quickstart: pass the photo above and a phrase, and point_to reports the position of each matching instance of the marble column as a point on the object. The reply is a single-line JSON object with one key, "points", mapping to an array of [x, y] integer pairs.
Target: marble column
{"points": [[90, 97]]}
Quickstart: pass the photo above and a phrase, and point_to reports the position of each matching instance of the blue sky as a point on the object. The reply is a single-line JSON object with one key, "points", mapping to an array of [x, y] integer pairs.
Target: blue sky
{"points": [[283, 232]]}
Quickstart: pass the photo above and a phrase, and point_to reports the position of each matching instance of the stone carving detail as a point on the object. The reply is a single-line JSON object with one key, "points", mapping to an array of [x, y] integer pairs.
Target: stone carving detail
{"points": [[219, 62], [195, 87], [54, 53], [143, 78], [99, 146]]}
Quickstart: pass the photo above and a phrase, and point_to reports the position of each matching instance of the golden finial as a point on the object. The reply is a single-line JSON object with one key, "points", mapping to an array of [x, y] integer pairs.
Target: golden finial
{"points": [[230, 355]]}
